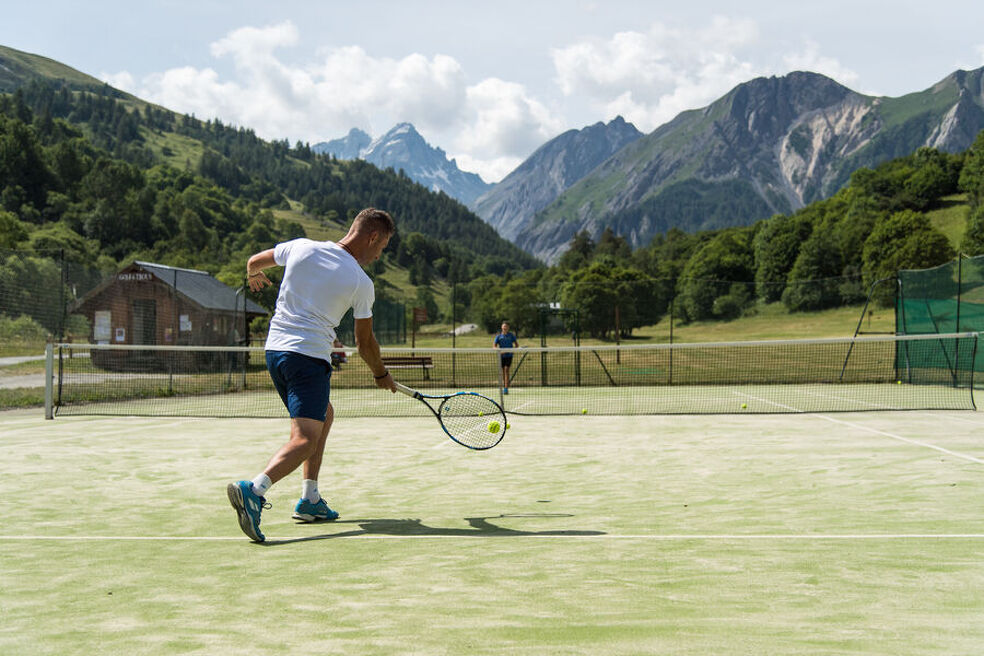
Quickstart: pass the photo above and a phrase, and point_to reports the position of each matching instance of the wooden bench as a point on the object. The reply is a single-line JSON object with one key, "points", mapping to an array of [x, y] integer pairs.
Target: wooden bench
{"points": [[425, 362]]}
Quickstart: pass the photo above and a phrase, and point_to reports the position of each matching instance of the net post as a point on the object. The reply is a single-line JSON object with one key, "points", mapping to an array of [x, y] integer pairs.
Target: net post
{"points": [[49, 373], [973, 367]]}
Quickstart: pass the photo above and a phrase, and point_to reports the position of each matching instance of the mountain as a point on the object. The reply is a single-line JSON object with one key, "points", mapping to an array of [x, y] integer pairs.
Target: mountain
{"points": [[17, 68], [771, 145], [102, 171], [551, 169], [348, 147], [404, 148]]}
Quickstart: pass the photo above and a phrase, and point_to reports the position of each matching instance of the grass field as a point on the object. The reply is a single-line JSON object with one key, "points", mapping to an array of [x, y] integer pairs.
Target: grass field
{"points": [[770, 321], [808, 534]]}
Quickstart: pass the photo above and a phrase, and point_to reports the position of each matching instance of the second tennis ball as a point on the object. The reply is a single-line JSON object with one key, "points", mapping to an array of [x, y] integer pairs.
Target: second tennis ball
{"points": [[584, 411], [493, 427], [744, 405]]}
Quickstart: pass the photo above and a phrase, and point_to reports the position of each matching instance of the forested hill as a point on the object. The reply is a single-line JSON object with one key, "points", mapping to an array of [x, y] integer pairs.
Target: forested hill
{"points": [[64, 129]]}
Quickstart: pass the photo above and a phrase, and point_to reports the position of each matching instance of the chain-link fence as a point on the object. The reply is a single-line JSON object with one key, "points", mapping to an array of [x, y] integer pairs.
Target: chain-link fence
{"points": [[944, 299], [45, 296]]}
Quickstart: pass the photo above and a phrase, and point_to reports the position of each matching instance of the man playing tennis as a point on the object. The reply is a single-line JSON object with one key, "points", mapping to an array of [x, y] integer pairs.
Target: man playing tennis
{"points": [[321, 281], [505, 339]]}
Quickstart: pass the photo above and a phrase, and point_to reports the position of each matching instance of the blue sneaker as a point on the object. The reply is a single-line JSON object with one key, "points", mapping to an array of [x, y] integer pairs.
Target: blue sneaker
{"points": [[248, 506], [313, 512]]}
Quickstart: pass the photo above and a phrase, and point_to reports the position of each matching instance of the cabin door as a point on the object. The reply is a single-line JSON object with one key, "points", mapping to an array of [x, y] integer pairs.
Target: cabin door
{"points": [[144, 321]]}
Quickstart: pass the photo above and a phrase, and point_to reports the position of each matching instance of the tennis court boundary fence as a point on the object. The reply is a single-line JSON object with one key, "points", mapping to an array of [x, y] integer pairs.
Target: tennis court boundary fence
{"points": [[767, 376]]}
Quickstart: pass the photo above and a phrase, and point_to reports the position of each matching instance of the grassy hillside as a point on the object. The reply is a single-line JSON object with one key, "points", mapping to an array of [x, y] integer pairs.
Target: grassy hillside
{"points": [[17, 66], [951, 218]]}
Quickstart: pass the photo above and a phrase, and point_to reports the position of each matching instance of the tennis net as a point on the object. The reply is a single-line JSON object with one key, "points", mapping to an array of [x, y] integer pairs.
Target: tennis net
{"points": [[782, 376]]}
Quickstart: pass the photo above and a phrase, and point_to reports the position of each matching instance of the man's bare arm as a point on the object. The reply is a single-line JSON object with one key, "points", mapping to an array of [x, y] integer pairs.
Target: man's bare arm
{"points": [[365, 341], [255, 277]]}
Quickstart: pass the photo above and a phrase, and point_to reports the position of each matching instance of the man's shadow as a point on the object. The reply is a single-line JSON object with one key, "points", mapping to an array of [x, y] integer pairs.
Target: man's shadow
{"points": [[480, 527]]}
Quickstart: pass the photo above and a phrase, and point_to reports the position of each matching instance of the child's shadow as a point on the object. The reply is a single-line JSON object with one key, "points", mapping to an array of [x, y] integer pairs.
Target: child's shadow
{"points": [[481, 527]]}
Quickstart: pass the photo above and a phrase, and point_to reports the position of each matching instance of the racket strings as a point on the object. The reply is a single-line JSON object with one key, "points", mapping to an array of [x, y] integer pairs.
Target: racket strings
{"points": [[473, 420]]}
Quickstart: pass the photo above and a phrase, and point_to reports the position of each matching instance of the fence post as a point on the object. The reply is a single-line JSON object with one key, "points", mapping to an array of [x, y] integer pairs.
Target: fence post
{"points": [[672, 300], [454, 331], [61, 297], [49, 382]]}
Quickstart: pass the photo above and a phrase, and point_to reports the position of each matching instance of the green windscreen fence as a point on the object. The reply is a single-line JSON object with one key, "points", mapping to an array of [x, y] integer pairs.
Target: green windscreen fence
{"points": [[945, 299]]}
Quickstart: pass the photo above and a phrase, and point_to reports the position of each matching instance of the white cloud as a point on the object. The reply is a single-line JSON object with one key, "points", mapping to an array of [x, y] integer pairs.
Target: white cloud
{"points": [[489, 125], [122, 80], [256, 43], [811, 60], [490, 169], [503, 119], [649, 77]]}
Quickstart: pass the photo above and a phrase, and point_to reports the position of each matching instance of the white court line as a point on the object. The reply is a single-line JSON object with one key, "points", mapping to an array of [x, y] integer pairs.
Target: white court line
{"points": [[881, 406], [954, 417], [956, 454], [764, 537]]}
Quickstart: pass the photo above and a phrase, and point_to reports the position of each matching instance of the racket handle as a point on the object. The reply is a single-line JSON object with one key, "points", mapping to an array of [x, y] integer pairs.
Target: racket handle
{"points": [[406, 390]]}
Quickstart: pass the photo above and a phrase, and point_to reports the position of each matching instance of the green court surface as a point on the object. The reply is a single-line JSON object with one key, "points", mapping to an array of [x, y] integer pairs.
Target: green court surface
{"points": [[844, 533]]}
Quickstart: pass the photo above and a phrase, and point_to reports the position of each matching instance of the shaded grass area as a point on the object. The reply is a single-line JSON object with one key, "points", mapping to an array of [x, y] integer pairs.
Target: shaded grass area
{"points": [[21, 397]]}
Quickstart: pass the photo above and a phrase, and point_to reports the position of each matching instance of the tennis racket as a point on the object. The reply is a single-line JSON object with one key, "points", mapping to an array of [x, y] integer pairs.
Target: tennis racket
{"points": [[470, 419]]}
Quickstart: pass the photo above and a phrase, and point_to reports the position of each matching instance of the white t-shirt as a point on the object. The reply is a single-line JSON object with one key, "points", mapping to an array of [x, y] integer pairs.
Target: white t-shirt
{"points": [[321, 282]]}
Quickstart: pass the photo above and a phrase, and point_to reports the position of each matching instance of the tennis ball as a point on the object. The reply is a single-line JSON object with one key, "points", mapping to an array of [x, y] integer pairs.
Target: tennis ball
{"points": [[493, 427], [481, 414], [744, 405], [584, 411], [507, 425], [898, 382]]}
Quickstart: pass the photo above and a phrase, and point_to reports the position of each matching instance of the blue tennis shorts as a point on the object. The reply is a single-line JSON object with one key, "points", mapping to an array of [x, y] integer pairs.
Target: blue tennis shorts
{"points": [[303, 383]]}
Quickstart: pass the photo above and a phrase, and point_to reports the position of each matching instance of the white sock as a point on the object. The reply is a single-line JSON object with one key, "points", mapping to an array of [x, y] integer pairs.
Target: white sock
{"points": [[309, 490], [261, 484]]}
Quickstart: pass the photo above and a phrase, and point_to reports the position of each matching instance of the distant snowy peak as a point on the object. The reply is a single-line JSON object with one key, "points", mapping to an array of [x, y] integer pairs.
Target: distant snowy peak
{"points": [[348, 147], [404, 148]]}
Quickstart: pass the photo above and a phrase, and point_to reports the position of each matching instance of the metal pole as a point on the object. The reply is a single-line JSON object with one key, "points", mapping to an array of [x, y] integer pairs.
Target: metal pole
{"points": [[49, 376], [454, 330], [672, 300], [618, 332], [956, 348], [245, 328], [61, 297], [177, 331]]}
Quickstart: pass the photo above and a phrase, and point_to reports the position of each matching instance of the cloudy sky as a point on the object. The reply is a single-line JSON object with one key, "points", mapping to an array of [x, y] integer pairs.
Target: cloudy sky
{"points": [[489, 82]]}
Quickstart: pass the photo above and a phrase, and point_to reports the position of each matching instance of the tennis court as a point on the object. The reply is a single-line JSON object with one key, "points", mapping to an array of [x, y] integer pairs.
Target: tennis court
{"points": [[686, 534]]}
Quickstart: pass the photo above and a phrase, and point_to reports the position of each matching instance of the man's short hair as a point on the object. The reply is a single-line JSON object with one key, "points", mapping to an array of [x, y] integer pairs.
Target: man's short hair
{"points": [[373, 220]]}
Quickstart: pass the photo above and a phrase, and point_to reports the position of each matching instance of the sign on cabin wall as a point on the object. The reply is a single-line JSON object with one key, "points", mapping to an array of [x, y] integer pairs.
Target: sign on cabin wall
{"points": [[135, 276], [101, 326]]}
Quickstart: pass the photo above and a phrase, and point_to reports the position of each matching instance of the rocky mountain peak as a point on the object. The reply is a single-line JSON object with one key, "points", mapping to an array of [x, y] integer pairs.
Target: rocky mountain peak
{"points": [[403, 147]]}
